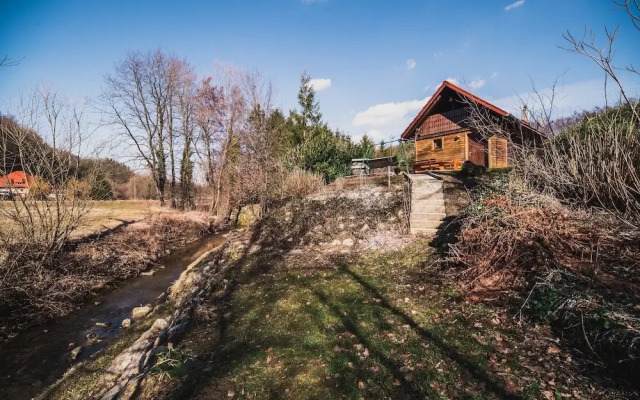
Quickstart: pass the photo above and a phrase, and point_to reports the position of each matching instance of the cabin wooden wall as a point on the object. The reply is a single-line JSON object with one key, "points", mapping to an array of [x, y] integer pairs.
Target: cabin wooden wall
{"points": [[497, 152], [477, 153], [453, 148]]}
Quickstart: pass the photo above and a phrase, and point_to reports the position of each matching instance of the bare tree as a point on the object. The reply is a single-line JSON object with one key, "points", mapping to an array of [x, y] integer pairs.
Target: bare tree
{"points": [[186, 101], [137, 99], [41, 144], [6, 61]]}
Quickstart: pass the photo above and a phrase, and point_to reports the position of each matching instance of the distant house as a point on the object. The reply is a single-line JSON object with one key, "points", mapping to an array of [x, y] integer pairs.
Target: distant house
{"points": [[444, 138], [15, 183]]}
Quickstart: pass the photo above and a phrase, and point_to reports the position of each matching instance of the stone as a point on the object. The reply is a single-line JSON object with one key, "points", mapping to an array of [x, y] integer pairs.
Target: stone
{"points": [[126, 323], [140, 312], [336, 242], [147, 273], [75, 353], [348, 242], [103, 324]]}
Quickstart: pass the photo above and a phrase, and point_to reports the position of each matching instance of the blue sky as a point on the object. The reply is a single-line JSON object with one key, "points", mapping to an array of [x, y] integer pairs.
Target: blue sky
{"points": [[376, 61]]}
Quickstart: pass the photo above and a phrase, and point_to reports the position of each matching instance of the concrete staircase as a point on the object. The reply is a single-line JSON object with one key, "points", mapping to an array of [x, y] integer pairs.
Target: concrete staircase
{"points": [[427, 203]]}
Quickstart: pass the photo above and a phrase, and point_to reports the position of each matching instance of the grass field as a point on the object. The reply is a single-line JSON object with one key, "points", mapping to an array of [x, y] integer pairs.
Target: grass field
{"points": [[109, 214], [103, 215]]}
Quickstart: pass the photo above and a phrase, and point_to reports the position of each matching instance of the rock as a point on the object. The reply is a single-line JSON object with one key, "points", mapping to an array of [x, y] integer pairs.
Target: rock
{"points": [[147, 273], [97, 303], [336, 242], [341, 226], [103, 324], [140, 312], [75, 353], [364, 228], [348, 242], [126, 323]]}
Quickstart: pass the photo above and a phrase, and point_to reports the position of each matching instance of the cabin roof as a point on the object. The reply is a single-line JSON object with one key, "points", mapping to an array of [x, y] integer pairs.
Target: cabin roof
{"points": [[437, 96]]}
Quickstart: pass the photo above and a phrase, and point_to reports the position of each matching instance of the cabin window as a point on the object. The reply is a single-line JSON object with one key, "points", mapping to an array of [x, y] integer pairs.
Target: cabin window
{"points": [[437, 144]]}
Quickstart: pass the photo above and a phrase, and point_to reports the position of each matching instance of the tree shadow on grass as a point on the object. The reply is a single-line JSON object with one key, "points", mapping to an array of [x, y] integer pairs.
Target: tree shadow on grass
{"points": [[429, 336]]}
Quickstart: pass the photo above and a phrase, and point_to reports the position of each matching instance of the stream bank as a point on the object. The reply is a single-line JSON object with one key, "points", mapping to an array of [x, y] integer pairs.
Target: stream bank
{"points": [[41, 354]]}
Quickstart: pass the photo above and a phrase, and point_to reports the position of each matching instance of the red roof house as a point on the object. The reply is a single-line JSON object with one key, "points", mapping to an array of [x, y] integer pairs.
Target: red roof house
{"points": [[17, 182]]}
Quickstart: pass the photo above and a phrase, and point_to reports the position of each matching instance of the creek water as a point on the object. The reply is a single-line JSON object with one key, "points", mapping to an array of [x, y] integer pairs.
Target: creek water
{"points": [[40, 355]]}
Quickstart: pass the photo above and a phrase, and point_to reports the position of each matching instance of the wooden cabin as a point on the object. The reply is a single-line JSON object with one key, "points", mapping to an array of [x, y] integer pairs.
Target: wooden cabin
{"points": [[444, 138]]}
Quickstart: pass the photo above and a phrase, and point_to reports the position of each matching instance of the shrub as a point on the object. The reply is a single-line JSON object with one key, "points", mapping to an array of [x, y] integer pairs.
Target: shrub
{"points": [[300, 183]]}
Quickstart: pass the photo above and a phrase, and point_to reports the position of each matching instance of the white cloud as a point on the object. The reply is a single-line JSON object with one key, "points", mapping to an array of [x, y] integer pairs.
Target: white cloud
{"points": [[494, 75], [319, 84], [477, 83], [514, 5], [411, 64], [312, 1], [453, 80], [387, 113], [438, 54]]}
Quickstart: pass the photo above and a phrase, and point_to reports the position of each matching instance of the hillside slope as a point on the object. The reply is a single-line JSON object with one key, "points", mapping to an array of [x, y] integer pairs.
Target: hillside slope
{"points": [[327, 299]]}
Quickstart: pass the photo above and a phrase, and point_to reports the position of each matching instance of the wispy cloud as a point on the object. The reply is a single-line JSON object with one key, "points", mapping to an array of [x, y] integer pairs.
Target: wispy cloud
{"points": [[494, 75], [411, 64], [387, 113], [438, 54], [511, 6], [477, 83], [319, 84], [312, 1]]}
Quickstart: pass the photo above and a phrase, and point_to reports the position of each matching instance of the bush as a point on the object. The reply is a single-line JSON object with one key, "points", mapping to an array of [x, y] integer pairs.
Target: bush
{"points": [[595, 162], [471, 169], [299, 184], [549, 262]]}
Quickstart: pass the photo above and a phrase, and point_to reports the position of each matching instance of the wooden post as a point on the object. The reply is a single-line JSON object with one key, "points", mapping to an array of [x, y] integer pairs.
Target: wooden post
{"points": [[388, 175]]}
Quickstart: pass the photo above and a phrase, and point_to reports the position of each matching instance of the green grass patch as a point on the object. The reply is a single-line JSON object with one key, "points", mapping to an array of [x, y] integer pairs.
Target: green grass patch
{"points": [[368, 326]]}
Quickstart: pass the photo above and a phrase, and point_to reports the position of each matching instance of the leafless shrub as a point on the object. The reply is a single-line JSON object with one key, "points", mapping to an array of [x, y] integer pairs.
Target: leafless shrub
{"points": [[299, 184]]}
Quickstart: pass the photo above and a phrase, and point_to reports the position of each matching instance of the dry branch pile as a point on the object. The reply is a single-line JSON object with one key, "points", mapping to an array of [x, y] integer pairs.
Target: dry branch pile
{"points": [[579, 271]]}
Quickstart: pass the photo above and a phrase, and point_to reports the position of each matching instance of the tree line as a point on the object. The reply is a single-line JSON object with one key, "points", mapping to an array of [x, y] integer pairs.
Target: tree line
{"points": [[223, 126]]}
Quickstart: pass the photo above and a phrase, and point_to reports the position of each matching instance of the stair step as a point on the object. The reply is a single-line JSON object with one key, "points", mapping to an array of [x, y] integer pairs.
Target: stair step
{"points": [[424, 224], [423, 231], [417, 205], [427, 208], [426, 197], [428, 215]]}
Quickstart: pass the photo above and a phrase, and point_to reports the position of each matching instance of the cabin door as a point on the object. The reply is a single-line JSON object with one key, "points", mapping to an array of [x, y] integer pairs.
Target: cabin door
{"points": [[497, 152]]}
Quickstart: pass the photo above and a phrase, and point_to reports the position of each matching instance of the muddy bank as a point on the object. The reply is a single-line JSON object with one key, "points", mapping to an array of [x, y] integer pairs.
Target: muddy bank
{"points": [[40, 355]]}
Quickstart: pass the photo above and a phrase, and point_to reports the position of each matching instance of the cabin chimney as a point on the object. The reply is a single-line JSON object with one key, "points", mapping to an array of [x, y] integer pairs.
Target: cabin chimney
{"points": [[525, 114]]}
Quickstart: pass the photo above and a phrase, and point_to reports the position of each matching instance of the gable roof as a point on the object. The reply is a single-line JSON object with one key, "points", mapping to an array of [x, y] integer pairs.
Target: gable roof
{"points": [[16, 180], [436, 97]]}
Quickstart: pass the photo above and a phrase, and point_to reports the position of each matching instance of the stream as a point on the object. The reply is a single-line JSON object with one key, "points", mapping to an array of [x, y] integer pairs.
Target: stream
{"points": [[37, 357]]}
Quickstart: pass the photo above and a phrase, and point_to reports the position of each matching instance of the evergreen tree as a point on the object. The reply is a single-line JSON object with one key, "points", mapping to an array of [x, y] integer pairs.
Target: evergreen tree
{"points": [[366, 147]]}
